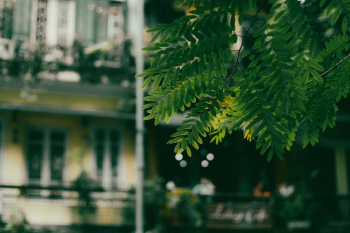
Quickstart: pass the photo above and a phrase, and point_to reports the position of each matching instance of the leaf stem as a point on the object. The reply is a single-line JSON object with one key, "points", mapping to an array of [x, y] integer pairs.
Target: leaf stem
{"points": [[330, 69], [240, 48]]}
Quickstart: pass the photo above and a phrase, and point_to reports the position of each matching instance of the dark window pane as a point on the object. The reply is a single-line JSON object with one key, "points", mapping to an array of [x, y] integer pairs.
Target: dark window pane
{"points": [[57, 149], [114, 151], [56, 167], [57, 137], [36, 135], [35, 149], [100, 135]]}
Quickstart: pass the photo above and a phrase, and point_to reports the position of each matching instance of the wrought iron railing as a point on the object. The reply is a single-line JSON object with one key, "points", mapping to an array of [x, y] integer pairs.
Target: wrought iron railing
{"points": [[100, 63], [182, 210]]}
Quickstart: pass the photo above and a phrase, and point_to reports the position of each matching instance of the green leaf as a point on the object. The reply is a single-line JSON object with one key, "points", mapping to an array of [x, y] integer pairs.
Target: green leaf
{"points": [[146, 82], [200, 128], [151, 48], [316, 76], [184, 143], [245, 53], [315, 65], [157, 79], [322, 2], [188, 150], [195, 134], [177, 147], [155, 37], [270, 155], [240, 19], [151, 98], [344, 25], [145, 106], [335, 16], [175, 140]]}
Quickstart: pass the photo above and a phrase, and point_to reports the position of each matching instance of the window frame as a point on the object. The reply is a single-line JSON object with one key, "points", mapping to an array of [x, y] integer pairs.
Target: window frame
{"points": [[47, 129], [107, 182], [51, 23]]}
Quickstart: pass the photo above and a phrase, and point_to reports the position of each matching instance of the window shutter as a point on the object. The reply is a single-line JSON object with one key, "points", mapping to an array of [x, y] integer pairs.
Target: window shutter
{"points": [[5, 20], [21, 20], [101, 21], [85, 21]]}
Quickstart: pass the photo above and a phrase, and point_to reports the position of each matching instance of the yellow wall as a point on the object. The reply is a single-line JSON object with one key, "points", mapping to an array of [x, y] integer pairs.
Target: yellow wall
{"points": [[62, 213], [61, 100], [14, 160], [43, 211]]}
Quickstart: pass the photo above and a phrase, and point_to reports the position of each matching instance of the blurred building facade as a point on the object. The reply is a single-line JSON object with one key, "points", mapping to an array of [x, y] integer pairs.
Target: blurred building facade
{"points": [[66, 107]]}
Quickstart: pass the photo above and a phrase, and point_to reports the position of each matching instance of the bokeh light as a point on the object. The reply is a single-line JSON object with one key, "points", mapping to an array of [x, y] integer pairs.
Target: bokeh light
{"points": [[205, 163], [210, 156], [178, 157], [183, 163]]}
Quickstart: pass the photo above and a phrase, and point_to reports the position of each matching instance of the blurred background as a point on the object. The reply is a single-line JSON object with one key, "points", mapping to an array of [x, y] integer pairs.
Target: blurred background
{"points": [[67, 139]]}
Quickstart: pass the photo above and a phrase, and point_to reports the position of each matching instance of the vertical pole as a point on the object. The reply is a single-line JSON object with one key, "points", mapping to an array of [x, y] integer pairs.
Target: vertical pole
{"points": [[136, 30], [1, 206]]}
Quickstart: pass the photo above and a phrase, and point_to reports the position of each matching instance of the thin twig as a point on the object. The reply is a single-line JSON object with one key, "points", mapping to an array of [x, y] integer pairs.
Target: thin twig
{"points": [[330, 69], [240, 48]]}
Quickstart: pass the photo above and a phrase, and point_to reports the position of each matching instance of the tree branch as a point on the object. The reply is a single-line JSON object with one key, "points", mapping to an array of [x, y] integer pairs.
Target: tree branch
{"points": [[330, 69]]}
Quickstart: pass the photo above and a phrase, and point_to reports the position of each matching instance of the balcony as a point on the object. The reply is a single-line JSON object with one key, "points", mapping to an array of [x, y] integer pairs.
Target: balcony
{"points": [[58, 207], [68, 41], [178, 211], [99, 63]]}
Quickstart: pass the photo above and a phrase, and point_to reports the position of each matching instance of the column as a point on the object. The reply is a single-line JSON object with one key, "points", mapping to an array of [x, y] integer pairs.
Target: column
{"points": [[71, 22], [33, 20], [51, 22]]}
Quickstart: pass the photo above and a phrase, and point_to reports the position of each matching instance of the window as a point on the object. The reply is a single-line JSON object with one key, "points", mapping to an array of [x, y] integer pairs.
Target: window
{"points": [[60, 22], [116, 31], [45, 156], [22, 20], [98, 21], [106, 149], [6, 14], [50, 21]]}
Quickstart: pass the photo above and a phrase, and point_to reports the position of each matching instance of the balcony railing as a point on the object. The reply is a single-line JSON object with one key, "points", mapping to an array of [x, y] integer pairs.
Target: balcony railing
{"points": [[182, 211], [92, 206], [100, 63]]}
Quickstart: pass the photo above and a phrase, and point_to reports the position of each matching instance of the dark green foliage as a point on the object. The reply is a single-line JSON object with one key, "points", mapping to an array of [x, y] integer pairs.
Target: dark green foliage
{"points": [[84, 185], [291, 83]]}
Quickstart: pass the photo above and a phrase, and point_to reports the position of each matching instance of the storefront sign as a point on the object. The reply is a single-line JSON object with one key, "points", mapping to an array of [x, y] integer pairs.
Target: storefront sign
{"points": [[239, 216]]}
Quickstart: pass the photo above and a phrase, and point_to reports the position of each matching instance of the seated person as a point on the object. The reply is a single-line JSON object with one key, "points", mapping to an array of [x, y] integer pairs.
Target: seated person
{"points": [[205, 188]]}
